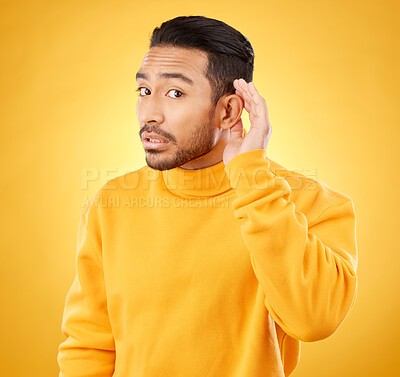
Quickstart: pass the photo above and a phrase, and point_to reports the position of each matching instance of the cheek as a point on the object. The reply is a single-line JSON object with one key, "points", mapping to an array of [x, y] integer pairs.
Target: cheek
{"points": [[180, 124], [182, 120], [184, 124]]}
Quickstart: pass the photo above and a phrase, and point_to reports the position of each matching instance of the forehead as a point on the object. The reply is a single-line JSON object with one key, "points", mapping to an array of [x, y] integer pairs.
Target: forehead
{"points": [[175, 59]]}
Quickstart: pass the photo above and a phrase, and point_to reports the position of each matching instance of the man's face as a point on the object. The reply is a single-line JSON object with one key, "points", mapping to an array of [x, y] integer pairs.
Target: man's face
{"points": [[179, 110]]}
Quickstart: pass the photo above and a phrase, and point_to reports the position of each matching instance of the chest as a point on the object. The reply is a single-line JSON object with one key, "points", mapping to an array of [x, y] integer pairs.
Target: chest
{"points": [[155, 257]]}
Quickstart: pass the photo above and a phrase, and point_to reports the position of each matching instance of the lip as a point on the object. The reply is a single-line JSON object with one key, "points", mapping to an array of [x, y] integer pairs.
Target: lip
{"points": [[150, 145], [153, 135]]}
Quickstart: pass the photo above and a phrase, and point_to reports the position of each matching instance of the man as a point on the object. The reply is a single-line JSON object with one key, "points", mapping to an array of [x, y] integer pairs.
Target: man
{"points": [[213, 259]]}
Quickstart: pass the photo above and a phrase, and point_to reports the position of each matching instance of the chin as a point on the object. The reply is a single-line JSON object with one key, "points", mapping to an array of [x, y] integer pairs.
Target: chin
{"points": [[159, 162]]}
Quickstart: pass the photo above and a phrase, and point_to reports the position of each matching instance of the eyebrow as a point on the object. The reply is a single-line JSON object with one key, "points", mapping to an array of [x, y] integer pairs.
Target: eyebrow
{"points": [[167, 75]]}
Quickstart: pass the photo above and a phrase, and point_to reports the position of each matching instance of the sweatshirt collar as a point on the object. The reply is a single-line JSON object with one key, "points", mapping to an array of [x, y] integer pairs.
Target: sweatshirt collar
{"points": [[196, 183]]}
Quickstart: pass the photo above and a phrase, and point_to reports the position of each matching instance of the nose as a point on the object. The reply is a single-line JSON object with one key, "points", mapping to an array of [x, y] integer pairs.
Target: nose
{"points": [[149, 111]]}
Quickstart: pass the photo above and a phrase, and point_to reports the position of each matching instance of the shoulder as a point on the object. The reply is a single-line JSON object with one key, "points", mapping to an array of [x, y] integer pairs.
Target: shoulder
{"points": [[130, 181], [310, 195], [114, 191]]}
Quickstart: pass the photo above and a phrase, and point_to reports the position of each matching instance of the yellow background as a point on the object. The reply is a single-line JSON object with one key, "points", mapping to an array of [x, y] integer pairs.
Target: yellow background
{"points": [[329, 71]]}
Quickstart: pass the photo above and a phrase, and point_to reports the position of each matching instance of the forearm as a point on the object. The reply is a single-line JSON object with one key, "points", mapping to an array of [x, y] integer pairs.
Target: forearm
{"points": [[307, 270]]}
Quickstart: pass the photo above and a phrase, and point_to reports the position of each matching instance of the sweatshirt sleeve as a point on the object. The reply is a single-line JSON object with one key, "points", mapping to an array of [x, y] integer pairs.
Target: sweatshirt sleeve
{"points": [[307, 269], [88, 350]]}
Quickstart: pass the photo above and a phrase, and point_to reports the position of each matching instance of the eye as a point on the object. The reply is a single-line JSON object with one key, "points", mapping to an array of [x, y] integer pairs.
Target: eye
{"points": [[175, 90], [141, 93], [140, 90]]}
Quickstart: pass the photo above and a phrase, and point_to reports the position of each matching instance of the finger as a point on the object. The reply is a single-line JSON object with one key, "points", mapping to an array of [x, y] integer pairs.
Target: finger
{"points": [[243, 86], [241, 93], [258, 104], [246, 103], [240, 84], [253, 89], [262, 108], [251, 104], [255, 94], [246, 95], [236, 131], [246, 88]]}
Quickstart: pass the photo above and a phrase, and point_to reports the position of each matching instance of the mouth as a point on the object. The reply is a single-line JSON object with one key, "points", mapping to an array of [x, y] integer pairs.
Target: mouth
{"points": [[150, 143]]}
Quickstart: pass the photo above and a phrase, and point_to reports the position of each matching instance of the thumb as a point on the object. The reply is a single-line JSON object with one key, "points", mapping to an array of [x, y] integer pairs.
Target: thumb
{"points": [[236, 131]]}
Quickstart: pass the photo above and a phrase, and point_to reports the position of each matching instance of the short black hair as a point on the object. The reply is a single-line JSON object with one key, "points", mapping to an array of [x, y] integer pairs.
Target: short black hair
{"points": [[230, 54]]}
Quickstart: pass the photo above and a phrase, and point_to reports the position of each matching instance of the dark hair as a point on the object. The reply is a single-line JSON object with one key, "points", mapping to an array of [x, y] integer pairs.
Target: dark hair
{"points": [[230, 54]]}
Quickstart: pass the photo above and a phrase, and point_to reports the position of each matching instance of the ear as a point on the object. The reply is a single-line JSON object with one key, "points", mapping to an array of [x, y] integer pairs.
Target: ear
{"points": [[230, 110]]}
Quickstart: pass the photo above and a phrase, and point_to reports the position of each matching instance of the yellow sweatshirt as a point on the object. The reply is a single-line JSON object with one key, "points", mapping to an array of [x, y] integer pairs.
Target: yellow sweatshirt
{"points": [[216, 272]]}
